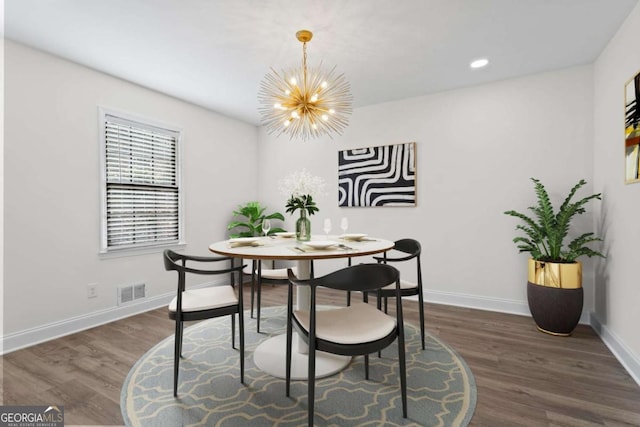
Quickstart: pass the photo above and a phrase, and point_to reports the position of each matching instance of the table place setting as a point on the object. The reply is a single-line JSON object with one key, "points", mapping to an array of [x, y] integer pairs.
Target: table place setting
{"points": [[304, 248], [320, 246], [285, 234], [356, 237], [244, 241]]}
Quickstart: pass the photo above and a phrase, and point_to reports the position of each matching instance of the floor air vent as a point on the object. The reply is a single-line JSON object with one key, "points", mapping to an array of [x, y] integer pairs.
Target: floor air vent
{"points": [[130, 293]]}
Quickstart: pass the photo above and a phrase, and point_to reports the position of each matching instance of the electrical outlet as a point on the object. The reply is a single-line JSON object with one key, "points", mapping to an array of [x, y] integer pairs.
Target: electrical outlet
{"points": [[92, 290]]}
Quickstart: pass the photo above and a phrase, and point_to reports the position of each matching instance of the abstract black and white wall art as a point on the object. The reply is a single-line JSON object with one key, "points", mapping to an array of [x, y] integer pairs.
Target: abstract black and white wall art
{"points": [[377, 176]]}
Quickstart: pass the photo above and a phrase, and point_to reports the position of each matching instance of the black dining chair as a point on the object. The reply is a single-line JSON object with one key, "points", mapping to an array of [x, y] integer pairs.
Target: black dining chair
{"points": [[203, 303], [410, 249], [266, 276], [356, 330], [279, 275]]}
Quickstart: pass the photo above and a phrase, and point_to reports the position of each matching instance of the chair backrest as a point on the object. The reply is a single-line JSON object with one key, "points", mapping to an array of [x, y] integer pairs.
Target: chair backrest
{"points": [[178, 262], [409, 246], [361, 277], [171, 259]]}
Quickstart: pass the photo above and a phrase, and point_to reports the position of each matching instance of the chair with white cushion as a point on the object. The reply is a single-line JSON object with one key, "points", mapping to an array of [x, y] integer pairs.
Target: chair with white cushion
{"points": [[203, 303], [356, 330], [272, 276], [266, 276], [409, 249]]}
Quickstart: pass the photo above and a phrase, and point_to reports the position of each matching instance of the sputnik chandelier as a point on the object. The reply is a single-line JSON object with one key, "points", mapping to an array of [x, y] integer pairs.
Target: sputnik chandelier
{"points": [[305, 102]]}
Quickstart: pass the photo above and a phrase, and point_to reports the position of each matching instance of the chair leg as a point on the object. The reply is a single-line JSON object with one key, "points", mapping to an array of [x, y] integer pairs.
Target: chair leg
{"points": [[233, 331], [289, 344], [241, 325], [288, 361], [181, 335], [253, 284], [176, 357], [349, 292], [379, 302], [366, 366], [311, 381], [259, 281], [403, 372], [421, 302], [311, 373]]}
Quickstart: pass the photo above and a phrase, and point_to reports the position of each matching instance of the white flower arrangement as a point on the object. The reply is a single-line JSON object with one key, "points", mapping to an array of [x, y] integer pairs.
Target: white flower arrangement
{"points": [[301, 187], [300, 183]]}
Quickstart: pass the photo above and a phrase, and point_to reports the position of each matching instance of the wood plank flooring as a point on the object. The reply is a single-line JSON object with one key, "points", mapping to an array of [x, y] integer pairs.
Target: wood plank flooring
{"points": [[523, 377]]}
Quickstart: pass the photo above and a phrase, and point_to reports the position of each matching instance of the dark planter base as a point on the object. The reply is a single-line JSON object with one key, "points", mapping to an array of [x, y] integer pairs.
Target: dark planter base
{"points": [[556, 311]]}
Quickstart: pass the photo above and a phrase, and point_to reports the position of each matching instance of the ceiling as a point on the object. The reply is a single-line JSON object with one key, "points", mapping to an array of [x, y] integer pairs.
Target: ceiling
{"points": [[214, 53]]}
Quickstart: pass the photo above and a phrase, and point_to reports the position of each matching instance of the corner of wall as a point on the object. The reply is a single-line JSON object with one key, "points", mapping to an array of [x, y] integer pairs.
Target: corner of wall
{"points": [[626, 357]]}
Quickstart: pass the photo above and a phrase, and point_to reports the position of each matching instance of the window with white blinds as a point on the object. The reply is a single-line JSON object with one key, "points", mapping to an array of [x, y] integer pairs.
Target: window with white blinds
{"points": [[141, 202]]}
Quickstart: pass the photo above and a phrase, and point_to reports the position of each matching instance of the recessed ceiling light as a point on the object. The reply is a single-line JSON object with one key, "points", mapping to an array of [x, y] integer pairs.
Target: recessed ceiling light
{"points": [[479, 63]]}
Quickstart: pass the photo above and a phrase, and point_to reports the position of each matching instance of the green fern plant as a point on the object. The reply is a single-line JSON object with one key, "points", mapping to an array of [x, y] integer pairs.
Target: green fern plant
{"points": [[546, 231], [253, 214]]}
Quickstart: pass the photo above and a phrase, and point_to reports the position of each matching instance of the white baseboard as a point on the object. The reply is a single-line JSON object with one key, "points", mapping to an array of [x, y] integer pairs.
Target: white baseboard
{"points": [[626, 357], [500, 305], [51, 331]]}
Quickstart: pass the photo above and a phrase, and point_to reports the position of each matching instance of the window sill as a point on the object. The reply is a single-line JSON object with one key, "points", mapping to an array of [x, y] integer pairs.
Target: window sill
{"points": [[146, 250]]}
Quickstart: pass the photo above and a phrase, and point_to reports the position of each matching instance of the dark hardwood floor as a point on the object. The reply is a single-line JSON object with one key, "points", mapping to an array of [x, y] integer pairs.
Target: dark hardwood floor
{"points": [[523, 377]]}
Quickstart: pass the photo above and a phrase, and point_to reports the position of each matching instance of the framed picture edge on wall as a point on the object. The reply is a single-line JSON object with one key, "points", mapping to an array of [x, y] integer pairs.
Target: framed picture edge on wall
{"points": [[632, 130]]}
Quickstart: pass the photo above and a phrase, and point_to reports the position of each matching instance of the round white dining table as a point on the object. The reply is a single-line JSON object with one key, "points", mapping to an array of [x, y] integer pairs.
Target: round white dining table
{"points": [[269, 356]]}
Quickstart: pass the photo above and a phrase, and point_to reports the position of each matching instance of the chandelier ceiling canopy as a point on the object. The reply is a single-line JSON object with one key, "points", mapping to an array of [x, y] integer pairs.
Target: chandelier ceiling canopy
{"points": [[305, 102]]}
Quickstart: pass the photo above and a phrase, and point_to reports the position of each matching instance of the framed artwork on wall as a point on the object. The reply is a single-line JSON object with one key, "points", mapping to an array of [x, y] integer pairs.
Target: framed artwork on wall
{"points": [[377, 176], [632, 130]]}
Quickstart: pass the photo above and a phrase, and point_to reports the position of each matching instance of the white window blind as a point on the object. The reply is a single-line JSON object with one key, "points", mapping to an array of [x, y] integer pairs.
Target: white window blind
{"points": [[142, 193]]}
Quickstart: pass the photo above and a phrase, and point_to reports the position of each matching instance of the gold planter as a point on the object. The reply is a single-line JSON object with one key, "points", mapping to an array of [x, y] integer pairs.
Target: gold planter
{"points": [[555, 296], [555, 275]]}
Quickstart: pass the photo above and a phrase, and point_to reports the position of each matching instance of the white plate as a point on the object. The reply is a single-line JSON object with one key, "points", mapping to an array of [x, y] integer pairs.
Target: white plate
{"points": [[286, 234], [320, 244], [244, 240], [353, 236]]}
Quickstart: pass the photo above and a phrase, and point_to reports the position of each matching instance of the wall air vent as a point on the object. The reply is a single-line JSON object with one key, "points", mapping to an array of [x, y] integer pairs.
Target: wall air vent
{"points": [[130, 293]]}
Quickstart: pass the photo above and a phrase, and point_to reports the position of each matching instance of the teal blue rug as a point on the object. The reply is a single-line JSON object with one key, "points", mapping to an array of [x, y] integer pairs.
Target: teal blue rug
{"points": [[441, 388]]}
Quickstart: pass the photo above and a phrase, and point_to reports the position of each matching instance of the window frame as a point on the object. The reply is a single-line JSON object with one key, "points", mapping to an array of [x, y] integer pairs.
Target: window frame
{"points": [[144, 122]]}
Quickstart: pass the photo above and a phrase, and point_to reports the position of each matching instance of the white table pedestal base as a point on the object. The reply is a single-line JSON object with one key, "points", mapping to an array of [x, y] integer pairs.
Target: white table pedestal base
{"points": [[270, 357]]}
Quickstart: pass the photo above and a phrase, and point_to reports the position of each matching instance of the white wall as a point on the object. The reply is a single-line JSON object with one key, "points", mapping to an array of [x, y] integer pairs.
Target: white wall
{"points": [[52, 190], [477, 148], [2, 172], [618, 279]]}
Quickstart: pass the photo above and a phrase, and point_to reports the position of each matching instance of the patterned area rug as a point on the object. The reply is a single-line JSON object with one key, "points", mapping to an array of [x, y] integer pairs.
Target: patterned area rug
{"points": [[441, 388]]}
